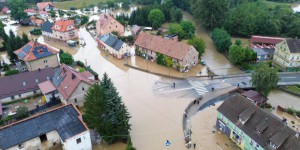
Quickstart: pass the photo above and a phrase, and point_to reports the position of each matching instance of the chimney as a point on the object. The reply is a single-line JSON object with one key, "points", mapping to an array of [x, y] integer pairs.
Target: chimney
{"points": [[39, 69], [73, 76]]}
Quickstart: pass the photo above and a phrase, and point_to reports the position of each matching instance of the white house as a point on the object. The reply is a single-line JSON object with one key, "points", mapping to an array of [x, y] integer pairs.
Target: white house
{"points": [[44, 14], [30, 12], [59, 127], [113, 45]]}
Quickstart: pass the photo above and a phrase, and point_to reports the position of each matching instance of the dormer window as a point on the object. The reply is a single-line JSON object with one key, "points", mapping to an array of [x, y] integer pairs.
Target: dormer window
{"points": [[273, 145]]}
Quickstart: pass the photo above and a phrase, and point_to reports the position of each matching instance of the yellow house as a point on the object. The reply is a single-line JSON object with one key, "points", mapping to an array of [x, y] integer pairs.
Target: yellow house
{"points": [[287, 53], [37, 56]]}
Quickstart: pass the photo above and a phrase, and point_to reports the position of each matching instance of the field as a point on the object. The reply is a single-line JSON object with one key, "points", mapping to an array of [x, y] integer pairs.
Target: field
{"points": [[77, 3]]}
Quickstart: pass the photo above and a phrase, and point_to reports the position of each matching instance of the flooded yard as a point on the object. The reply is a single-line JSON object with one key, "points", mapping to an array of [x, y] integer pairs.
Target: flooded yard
{"points": [[278, 97], [216, 61]]}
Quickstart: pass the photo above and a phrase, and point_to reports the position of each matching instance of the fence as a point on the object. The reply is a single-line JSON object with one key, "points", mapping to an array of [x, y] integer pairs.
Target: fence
{"points": [[42, 108]]}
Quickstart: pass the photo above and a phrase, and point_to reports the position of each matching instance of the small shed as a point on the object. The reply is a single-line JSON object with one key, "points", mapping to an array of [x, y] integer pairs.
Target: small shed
{"points": [[136, 29], [48, 90], [255, 97], [71, 43]]}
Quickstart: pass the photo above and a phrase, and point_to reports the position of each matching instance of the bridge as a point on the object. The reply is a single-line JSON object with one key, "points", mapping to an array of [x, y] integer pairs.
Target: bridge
{"points": [[205, 84]]}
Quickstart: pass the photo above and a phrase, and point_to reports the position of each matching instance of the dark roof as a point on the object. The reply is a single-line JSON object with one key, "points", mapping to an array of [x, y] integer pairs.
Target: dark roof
{"points": [[264, 51], [111, 41], [23, 82], [46, 26], [26, 21], [294, 45], [255, 96], [65, 120], [0, 108], [271, 129]]}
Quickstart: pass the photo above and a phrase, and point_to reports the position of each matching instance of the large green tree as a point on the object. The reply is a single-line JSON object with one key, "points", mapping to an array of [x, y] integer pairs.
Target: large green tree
{"points": [[236, 54], [175, 28], [211, 13], [112, 121], [156, 17], [199, 45], [188, 28], [264, 79], [221, 39], [66, 58], [17, 8]]}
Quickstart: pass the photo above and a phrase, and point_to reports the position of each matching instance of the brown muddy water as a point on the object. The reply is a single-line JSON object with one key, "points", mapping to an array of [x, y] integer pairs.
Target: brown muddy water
{"points": [[216, 61]]}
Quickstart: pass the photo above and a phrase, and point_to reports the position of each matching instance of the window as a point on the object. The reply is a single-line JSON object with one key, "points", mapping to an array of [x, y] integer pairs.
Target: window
{"points": [[19, 95], [78, 140], [45, 61], [12, 97], [43, 138], [82, 88], [75, 100], [251, 142], [21, 145], [34, 92]]}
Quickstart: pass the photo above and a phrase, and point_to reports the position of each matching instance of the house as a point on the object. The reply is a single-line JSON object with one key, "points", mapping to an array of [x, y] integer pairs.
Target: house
{"points": [[113, 45], [64, 30], [71, 84], [60, 127], [30, 12], [183, 56], [44, 14], [37, 56], [26, 22], [5, 10], [107, 24], [47, 29], [287, 53], [255, 97], [45, 6], [24, 84], [135, 29], [38, 22], [253, 128], [264, 46]]}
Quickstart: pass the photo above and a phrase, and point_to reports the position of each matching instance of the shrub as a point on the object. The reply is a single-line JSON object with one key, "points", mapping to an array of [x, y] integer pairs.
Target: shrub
{"points": [[6, 67], [290, 111], [22, 112], [267, 105], [80, 63], [81, 69], [293, 122], [298, 85], [73, 8], [36, 31], [11, 72]]}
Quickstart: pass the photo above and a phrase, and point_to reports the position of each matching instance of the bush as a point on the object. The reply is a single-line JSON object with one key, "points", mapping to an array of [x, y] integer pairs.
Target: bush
{"points": [[81, 69], [36, 31], [267, 105], [11, 72], [73, 8], [66, 58], [80, 63], [22, 112], [290, 111], [298, 85], [6, 67]]}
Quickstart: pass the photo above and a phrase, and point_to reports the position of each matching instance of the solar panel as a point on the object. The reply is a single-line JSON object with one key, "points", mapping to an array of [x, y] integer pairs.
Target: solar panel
{"points": [[21, 55], [26, 49]]}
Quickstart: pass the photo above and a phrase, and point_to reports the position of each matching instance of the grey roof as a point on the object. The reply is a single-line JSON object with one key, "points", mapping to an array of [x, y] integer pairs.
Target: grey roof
{"points": [[111, 41], [247, 113], [14, 84], [64, 120], [46, 26], [57, 78], [263, 51], [294, 45], [271, 131]]}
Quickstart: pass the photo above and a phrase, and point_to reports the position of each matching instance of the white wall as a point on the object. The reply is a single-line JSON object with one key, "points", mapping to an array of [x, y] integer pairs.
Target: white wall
{"points": [[17, 97], [47, 34], [86, 144], [78, 93]]}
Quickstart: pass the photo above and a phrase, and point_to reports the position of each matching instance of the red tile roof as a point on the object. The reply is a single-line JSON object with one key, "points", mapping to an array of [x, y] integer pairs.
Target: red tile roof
{"points": [[42, 5], [34, 50], [174, 49], [63, 24], [29, 10], [44, 12], [5, 9], [46, 87], [69, 84], [265, 39], [106, 19]]}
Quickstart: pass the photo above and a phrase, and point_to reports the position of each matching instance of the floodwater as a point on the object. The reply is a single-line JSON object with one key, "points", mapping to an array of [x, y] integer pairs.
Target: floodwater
{"points": [[216, 61], [155, 119], [278, 97], [203, 124]]}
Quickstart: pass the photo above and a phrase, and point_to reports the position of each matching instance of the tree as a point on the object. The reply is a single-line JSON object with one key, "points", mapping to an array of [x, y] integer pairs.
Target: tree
{"points": [[188, 28], [199, 45], [125, 5], [236, 54], [221, 39], [52, 13], [112, 121], [66, 58], [160, 59], [22, 112], [17, 8], [175, 14], [211, 13], [25, 39], [250, 55], [156, 18], [264, 79], [169, 62], [175, 28]]}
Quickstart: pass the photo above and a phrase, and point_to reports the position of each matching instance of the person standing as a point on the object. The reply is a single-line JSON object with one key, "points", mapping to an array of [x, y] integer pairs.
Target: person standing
{"points": [[194, 145]]}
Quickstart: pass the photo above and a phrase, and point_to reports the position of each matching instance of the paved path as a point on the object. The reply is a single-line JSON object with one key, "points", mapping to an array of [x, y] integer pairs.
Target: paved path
{"points": [[208, 99]]}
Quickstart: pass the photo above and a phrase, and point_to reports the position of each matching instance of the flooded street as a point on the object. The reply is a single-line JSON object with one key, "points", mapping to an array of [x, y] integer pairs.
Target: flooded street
{"points": [[216, 61], [155, 119]]}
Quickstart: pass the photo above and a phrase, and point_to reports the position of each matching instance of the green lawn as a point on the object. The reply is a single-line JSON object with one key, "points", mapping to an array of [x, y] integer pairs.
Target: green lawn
{"points": [[294, 89], [77, 3]]}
